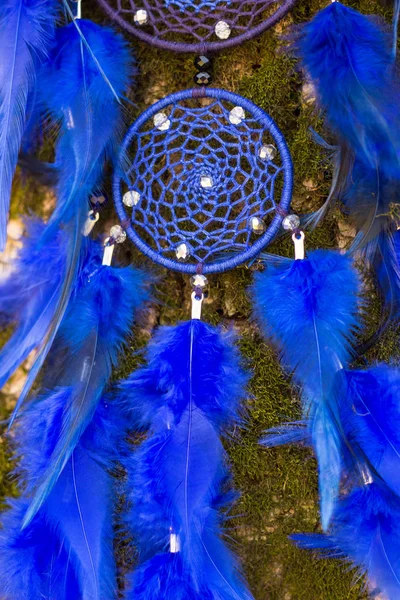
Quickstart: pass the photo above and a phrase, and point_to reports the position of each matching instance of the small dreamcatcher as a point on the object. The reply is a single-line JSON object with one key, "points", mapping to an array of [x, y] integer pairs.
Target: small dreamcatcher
{"points": [[209, 174], [198, 26]]}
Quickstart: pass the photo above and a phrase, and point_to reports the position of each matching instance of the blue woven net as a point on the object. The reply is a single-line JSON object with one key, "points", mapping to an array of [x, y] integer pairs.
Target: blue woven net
{"points": [[200, 174], [196, 4]]}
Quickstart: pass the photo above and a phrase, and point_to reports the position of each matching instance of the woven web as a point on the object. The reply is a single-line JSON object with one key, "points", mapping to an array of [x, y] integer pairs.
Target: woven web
{"points": [[176, 23], [168, 169], [196, 4]]}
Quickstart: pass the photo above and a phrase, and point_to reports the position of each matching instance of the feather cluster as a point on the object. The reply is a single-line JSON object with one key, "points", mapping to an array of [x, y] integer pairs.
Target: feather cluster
{"points": [[350, 62], [87, 71], [67, 550], [308, 308], [58, 536], [89, 340], [178, 483], [365, 526]]}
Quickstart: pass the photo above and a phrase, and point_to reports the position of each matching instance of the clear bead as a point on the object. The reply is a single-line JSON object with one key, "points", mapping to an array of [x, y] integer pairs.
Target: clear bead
{"points": [[267, 152], [140, 17], [161, 121], [291, 222], [199, 281], [182, 252], [237, 115], [131, 198], [206, 181], [257, 225], [118, 234], [222, 30]]}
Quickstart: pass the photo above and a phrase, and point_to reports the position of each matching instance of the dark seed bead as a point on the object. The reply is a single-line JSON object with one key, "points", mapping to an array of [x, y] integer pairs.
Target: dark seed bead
{"points": [[202, 62], [202, 78]]}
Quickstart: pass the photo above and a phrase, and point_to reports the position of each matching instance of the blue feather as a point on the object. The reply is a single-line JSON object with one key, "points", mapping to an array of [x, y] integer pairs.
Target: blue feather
{"points": [[28, 297], [308, 310], [365, 526], [349, 58], [186, 395], [89, 340], [26, 33], [89, 117], [86, 107], [67, 550]]}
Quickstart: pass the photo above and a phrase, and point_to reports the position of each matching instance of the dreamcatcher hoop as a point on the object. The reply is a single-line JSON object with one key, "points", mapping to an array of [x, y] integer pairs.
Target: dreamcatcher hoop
{"points": [[200, 170], [205, 26]]}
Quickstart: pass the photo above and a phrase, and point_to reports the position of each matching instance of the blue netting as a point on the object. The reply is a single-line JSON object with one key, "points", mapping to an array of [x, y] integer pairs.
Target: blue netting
{"points": [[196, 4], [201, 179]]}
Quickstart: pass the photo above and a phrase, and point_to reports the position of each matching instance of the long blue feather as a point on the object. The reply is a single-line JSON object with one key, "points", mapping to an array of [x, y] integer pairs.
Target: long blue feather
{"points": [[89, 340], [365, 527], [66, 552], [308, 310], [28, 296], [89, 117], [27, 28], [348, 57], [186, 395]]}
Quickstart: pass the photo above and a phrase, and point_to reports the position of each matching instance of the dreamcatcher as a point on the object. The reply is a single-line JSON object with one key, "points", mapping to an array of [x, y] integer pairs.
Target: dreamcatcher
{"points": [[207, 174], [198, 26], [202, 184]]}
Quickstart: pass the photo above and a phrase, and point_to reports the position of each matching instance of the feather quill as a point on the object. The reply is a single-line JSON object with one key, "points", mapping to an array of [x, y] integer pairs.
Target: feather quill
{"points": [[185, 396], [307, 308], [365, 526], [27, 28]]}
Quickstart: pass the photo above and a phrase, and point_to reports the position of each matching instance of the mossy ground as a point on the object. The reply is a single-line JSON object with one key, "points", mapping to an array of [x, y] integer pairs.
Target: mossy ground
{"points": [[278, 486]]}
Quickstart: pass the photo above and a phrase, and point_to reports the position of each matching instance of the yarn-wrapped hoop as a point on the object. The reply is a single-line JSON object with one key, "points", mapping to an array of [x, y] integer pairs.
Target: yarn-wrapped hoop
{"points": [[203, 169], [199, 26]]}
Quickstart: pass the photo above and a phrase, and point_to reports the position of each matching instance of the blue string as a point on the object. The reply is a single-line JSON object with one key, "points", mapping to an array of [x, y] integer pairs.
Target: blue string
{"points": [[196, 5]]}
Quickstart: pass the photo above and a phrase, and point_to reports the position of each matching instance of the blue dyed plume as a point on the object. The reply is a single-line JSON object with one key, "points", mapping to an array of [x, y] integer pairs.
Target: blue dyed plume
{"points": [[365, 526], [349, 59], [28, 296], [80, 87], [66, 552], [307, 308], [177, 479], [89, 340], [27, 28]]}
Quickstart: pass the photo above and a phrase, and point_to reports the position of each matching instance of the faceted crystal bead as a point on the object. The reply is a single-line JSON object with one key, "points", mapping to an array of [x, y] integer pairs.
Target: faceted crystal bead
{"points": [[257, 225], [291, 222], [202, 62], [267, 152], [182, 252], [118, 234], [131, 198], [206, 181], [161, 121], [199, 281], [202, 78], [236, 115], [140, 17], [222, 30]]}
